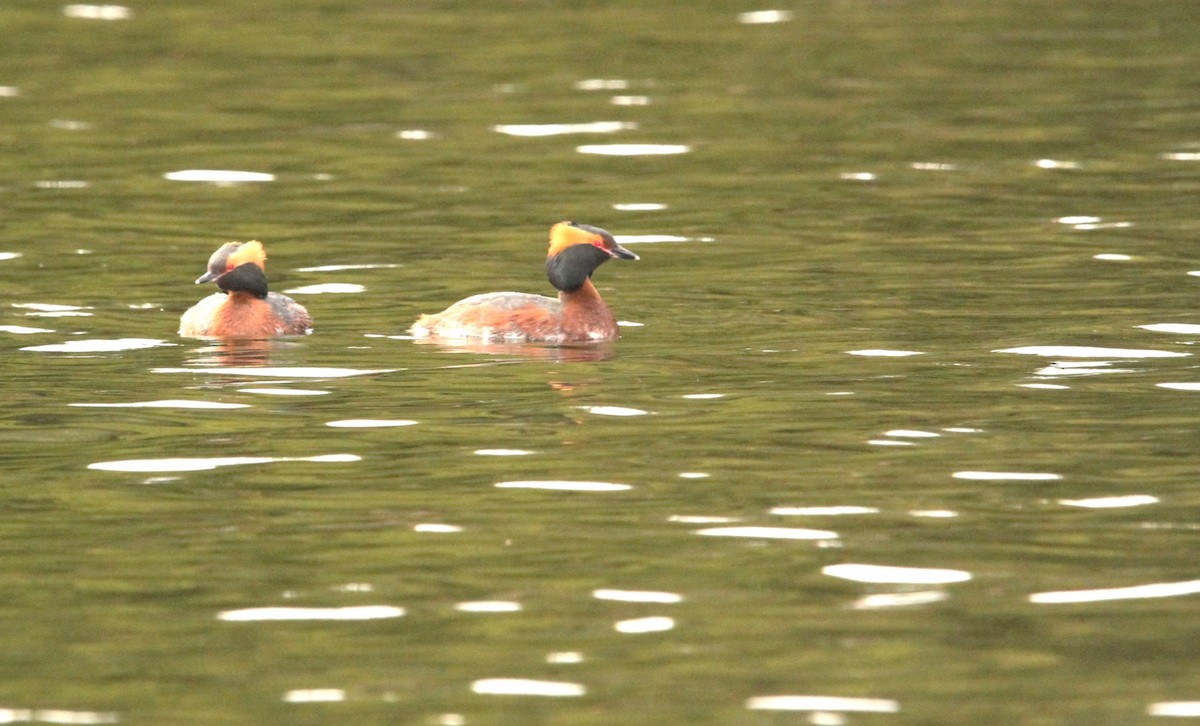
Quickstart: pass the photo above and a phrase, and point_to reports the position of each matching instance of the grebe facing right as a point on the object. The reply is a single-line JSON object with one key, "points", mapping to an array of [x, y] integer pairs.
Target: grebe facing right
{"points": [[244, 308], [578, 315]]}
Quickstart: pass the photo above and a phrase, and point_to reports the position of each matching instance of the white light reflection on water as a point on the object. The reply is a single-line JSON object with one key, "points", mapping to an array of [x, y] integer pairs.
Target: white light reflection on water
{"points": [[630, 100], [884, 353], [1179, 386], [99, 345], [1112, 257], [1055, 164], [652, 624], [22, 330], [342, 268], [206, 464], [1084, 351], [98, 12], [702, 396], [764, 17], [911, 434], [64, 184], [527, 687], [836, 704], [646, 239], [1006, 476], [882, 601], [370, 423], [283, 391], [613, 410], [565, 486], [488, 606], [432, 528], [1066, 368], [633, 149], [537, 130], [701, 519], [415, 135], [356, 612], [1129, 500], [636, 207], [602, 84], [822, 511], [650, 596], [165, 403], [889, 442], [1136, 592], [502, 452], [325, 288], [566, 657], [9, 91], [219, 176], [56, 715], [857, 176], [277, 372], [880, 574], [1176, 328], [1184, 709], [53, 310], [315, 695], [769, 533], [693, 475], [14, 255], [1047, 386]]}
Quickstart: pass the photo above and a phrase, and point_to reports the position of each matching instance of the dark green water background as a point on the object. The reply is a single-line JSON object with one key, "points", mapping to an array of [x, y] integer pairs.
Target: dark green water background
{"points": [[112, 582]]}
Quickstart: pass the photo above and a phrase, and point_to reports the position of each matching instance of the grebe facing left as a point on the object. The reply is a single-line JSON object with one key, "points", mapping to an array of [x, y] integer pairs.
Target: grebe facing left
{"points": [[578, 315], [244, 308]]}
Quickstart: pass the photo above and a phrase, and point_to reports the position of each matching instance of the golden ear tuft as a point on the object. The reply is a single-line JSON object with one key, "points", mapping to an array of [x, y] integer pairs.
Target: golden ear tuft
{"points": [[251, 251], [566, 234]]}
